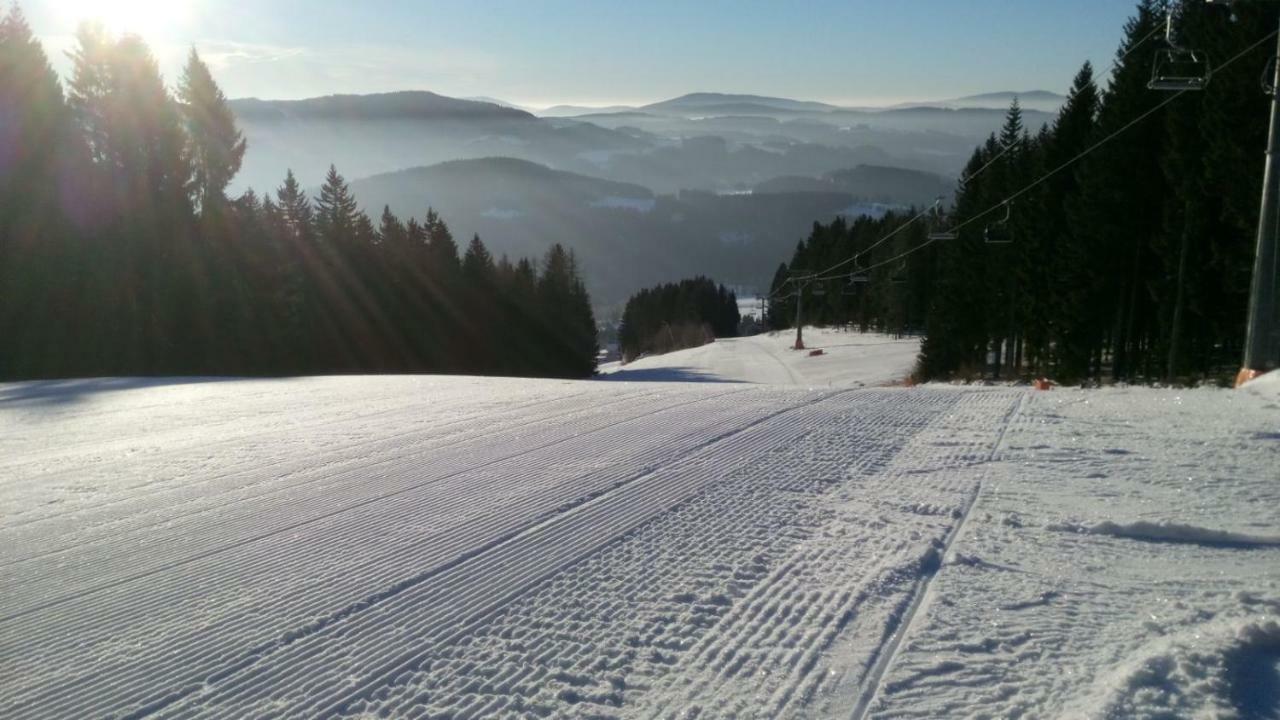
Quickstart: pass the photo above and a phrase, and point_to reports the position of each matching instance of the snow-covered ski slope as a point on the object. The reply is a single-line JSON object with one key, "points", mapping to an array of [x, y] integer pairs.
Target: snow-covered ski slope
{"points": [[471, 547], [848, 359]]}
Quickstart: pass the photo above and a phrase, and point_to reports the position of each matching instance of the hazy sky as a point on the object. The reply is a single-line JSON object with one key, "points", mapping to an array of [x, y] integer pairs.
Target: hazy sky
{"points": [[598, 52]]}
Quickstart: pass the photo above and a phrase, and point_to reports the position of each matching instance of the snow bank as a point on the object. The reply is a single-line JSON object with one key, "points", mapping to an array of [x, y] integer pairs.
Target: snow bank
{"points": [[1267, 386], [1171, 532], [1215, 670]]}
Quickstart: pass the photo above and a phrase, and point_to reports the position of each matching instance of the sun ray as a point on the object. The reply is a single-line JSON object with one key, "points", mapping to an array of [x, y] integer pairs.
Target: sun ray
{"points": [[153, 20]]}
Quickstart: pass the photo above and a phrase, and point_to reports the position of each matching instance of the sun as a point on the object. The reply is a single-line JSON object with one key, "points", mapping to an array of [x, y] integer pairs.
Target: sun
{"points": [[151, 19]]}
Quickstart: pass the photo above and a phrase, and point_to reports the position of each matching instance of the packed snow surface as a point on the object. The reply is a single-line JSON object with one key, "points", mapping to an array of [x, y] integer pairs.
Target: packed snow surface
{"points": [[471, 547], [848, 359]]}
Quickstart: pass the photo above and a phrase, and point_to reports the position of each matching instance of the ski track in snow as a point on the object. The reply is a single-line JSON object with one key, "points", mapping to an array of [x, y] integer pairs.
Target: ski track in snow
{"points": [[1121, 562], [478, 547]]}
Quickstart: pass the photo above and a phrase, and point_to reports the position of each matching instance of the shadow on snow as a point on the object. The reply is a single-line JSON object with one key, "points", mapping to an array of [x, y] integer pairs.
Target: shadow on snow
{"points": [[671, 374], [53, 392]]}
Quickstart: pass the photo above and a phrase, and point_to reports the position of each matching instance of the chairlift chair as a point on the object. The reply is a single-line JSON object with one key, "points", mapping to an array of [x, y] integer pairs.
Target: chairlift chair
{"points": [[1178, 69], [859, 275], [997, 233], [937, 233], [1268, 75], [899, 276]]}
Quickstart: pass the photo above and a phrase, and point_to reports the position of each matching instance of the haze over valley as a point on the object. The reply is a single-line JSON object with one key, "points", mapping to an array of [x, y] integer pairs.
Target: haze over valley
{"points": [[703, 183]]}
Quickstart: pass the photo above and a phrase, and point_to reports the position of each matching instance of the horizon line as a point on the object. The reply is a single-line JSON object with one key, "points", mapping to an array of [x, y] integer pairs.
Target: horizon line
{"points": [[543, 106]]}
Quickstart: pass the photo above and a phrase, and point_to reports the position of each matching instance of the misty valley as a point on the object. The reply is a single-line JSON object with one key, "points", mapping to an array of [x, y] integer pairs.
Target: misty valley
{"points": [[721, 185]]}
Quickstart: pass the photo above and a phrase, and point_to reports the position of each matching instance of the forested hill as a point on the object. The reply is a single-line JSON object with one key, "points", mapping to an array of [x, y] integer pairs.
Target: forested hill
{"points": [[501, 187], [1115, 243], [626, 237], [873, 183], [409, 105]]}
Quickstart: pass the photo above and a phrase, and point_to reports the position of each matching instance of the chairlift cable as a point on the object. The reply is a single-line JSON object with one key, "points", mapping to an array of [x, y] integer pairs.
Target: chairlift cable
{"points": [[1128, 126], [970, 177], [822, 275], [894, 233], [1154, 31], [1037, 182], [989, 163]]}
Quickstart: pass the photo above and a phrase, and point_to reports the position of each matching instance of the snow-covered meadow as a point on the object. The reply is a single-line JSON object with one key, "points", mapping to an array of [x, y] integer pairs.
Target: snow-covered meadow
{"points": [[478, 547], [848, 359]]}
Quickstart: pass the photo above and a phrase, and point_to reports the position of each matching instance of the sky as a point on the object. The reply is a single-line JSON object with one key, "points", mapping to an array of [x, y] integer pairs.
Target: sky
{"points": [[538, 53]]}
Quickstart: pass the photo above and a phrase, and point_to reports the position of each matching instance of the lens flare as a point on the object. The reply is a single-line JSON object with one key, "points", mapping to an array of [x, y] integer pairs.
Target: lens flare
{"points": [[154, 20]]}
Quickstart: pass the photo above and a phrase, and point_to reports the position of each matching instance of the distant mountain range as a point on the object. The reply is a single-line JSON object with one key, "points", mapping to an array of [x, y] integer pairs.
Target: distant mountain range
{"points": [[700, 141], [705, 183], [1040, 100], [417, 105], [718, 102], [704, 103], [498, 102], [497, 188], [575, 110], [368, 135]]}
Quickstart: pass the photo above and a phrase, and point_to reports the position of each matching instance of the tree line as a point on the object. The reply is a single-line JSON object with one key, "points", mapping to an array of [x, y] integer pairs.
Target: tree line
{"points": [[677, 315], [121, 254], [869, 293], [1131, 263]]}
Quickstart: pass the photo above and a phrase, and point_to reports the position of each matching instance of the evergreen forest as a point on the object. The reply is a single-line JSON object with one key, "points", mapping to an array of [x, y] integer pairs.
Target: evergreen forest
{"points": [[121, 253]]}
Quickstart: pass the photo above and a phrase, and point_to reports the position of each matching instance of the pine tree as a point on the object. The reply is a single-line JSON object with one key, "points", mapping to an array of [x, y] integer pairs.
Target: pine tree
{"points": [[529, 345], [216, 146], [583, 341], [365, 234], [37, 243], [336, 210], [295, 218], [89, 87], [1071, 273], [33, 118], [296, 212], [1004, 263], [1118, 227], [569, 324], [955, 335], [477, 263], [344, 310], [146, 288], [133, 125], [443, 251], [481, 317], [391, 230]]}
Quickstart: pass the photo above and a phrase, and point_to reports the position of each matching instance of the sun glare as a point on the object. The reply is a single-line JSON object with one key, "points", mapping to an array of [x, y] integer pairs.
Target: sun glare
{"points": [[152, 19]]}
